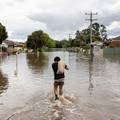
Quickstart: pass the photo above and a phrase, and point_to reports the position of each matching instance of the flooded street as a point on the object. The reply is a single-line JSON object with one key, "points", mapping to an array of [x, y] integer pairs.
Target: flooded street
{"points": [[92, 86]]}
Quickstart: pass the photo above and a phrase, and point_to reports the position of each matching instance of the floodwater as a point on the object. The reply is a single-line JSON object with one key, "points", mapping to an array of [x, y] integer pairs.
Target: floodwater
{"points": [[92, 85]]}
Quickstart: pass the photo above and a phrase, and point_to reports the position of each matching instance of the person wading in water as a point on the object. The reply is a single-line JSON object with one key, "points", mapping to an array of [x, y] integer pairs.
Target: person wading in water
{"points": [[58, 68]]}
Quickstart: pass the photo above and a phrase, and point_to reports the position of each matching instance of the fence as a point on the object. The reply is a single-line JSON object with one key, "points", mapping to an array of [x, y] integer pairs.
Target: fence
{"points": [[111, 51]]}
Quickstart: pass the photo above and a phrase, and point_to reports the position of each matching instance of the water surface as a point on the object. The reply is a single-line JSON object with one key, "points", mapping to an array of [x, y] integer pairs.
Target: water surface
{"points": [[92, 85]]}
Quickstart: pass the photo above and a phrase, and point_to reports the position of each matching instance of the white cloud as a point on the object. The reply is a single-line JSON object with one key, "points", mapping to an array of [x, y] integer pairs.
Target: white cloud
{"points": [[57, 17], [114, 25], [114, 29], [22, 27]]}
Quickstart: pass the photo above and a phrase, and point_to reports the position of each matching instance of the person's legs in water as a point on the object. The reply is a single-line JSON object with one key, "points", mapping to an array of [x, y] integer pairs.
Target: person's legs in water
{"points": [[61, 88], [56, 84]]}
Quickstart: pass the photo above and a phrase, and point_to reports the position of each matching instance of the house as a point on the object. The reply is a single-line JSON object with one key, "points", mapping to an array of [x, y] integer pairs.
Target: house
{"points": [[19, 46], [115, 43], [9, 45], [13, 47], [113, 48]]}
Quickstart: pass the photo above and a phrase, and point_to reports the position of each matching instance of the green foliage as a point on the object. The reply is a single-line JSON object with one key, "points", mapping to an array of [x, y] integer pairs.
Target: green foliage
{"points": [[96, 38], [51, 43], [99, 33], [3, 33], [39, 39], [62, 44], [82, 38], [40, 49], [75, 42], [4, 49], [58, 44], [86, 47]]}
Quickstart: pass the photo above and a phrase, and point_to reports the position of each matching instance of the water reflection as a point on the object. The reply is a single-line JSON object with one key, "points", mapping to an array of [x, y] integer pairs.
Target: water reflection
{"points": [[91, 86], [3, 58], [3, 82], [16, 66], [37, 62]]}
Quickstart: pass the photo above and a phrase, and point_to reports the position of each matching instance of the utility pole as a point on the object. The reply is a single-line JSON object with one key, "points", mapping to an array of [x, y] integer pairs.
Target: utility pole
{"points": [[70, 39], [91, 20], [70, 36]]}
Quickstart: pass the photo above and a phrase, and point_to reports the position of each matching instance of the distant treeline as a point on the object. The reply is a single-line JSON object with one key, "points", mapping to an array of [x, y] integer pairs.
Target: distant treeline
{"points": [[40, 39], [82, 38]]}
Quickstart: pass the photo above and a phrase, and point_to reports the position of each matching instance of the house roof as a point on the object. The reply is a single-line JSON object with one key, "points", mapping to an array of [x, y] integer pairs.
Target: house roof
{"points": [[9, 42]]}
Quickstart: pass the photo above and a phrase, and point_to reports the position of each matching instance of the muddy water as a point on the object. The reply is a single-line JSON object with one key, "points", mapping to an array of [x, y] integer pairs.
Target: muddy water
{"points": [[91, 85]]}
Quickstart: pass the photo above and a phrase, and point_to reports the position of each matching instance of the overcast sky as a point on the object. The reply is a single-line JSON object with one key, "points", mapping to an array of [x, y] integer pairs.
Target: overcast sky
{"points": [[58, 18]]}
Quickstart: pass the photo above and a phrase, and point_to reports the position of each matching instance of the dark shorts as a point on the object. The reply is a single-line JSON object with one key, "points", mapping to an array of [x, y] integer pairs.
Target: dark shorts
{"points": [[58, 83]]}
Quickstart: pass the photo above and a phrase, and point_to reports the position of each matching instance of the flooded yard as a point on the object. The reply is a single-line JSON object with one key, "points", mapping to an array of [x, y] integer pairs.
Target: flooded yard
{"points": [[92, 85]]}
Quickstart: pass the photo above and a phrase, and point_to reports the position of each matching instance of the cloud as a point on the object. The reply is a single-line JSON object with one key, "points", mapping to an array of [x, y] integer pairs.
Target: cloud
{"points": [[22, 27], [114, 28], [74, 21], [107, 18], [114, 25], [57, 17], [59, 22]]}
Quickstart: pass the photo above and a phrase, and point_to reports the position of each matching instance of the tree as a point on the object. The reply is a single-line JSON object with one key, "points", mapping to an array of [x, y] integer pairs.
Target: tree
{"points": [[58, 44], [3, 33], [81, 38], [103, 33], [38, 39], [51, 43], [62, 44], [77, 40], [99, 33]]}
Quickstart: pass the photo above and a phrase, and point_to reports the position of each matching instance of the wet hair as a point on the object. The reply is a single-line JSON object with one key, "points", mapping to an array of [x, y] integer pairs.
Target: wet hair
{"points": [[57, 59]]}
